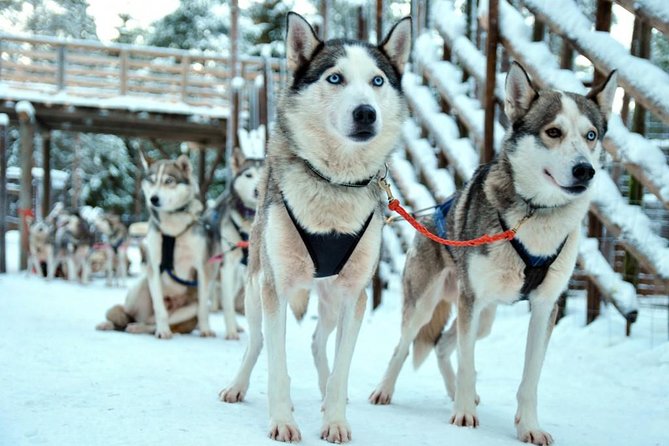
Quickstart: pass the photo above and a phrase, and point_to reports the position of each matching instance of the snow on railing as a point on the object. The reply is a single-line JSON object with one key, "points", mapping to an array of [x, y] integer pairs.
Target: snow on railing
{"points": [[459, 152], [647, 83], [641, 157], [439, 181], [447, 78], [655, 12], [614, 289]]}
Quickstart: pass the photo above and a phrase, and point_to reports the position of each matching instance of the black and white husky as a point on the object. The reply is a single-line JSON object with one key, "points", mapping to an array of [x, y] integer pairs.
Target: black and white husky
{"points": [[232, 217], [544, 175], [320, 210]]}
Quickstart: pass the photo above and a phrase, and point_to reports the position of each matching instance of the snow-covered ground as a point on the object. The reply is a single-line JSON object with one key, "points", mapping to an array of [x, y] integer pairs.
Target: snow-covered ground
{"points": [[62, 382]]}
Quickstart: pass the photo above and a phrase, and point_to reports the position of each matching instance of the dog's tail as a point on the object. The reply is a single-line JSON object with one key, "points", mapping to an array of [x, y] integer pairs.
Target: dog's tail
{"points": [[430, 332], [299, 304]]}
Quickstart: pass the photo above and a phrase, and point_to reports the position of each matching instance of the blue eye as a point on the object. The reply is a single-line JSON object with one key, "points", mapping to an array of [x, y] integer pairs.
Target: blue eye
{"points": [[334, 79], [591, 135], [377, 81]]}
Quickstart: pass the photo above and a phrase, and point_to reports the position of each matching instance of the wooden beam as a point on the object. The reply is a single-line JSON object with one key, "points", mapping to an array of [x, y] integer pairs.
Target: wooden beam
{"points": [[4, 123], [26, 116], [46, 179], [379, 21], [594, 297], [488, 151], [602, 23]]}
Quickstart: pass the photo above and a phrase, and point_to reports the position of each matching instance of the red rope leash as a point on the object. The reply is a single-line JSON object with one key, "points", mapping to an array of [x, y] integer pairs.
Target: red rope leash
{"points": [[394, 205], [216, 258]]}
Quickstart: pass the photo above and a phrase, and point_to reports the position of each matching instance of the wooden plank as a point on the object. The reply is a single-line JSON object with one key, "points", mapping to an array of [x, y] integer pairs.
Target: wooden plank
{"points": [[4, 144], [642, 10], [488, 152]]}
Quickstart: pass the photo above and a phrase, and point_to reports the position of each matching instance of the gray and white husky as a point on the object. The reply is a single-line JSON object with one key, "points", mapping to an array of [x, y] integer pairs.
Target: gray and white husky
{"points": [[320, 210], [232, 216], [172, 296], [543, 175]]}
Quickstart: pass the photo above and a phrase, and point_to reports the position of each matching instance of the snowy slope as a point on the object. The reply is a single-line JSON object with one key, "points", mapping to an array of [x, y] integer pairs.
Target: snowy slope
{"points": [[61, 382]]}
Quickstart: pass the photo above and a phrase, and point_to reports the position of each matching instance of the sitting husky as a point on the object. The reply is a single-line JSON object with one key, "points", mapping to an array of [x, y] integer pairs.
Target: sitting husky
{"points": [[232, 215], [41, 250], [110, 236], [543, 176], [172, 295], [320, 210], [72, 245]]}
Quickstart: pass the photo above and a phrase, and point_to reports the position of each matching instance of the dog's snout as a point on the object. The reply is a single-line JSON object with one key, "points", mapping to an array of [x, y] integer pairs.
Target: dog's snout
{"points": [[364, 114], [155, 200], [583, 172]]}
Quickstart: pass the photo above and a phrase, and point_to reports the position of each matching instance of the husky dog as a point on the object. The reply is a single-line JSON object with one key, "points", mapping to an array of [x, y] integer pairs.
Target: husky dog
{"points": [[172, 295], [543, 176], [110, 235], [41, 249], [73, 242], [320, 210], [232, 215]]}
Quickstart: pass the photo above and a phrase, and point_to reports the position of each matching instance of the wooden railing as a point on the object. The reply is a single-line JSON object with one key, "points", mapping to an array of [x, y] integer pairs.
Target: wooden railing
{"points": [[91, 69]]}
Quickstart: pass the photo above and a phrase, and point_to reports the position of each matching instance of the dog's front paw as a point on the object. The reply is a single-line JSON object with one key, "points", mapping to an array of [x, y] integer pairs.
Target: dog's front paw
{"points": [[164, 333], [285, 431], [381, 395], [105, 326], [234, 336], [465, 418], [234, 393], [336, 432], [207, 333], [533, 435]]}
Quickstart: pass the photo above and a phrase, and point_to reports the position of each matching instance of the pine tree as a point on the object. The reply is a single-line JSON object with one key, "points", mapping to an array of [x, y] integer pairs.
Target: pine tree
{"points": [[269, 21]]}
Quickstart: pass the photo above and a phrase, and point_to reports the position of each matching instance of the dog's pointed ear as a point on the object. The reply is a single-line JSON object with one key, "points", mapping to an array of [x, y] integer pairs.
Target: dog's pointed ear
{"points": [[237, 160], [519, 92], [301, 40], [183, 162], [604, 93], [397, 44], [146, 161]]}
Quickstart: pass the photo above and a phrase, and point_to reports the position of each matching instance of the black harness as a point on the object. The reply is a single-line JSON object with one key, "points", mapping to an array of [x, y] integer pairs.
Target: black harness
{"points": [[245, 237], [536, 267], [330, 251], [167, 251]]}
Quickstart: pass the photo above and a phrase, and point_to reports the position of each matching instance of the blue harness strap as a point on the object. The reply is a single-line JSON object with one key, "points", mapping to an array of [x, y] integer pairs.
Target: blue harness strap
{"points": [[330, 251], [167, 261], [440, 214], [536, 267]]}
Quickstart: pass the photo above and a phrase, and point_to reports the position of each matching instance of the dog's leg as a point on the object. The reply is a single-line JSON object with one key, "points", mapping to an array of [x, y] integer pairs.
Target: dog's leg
{"points": [[328, 309], [156, 290], [71, 268], [464, 409], [109, 265], [85, 269], [235, 392], [413, 319], [203, 300], [50, 265], [215, 292], [335, 427], [542, 320], [229, 288], [282, 423], [448, 342]]}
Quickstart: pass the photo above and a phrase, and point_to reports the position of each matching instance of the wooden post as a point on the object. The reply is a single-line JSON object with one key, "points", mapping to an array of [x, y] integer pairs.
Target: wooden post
{"points": [[634, 51], [76, 175], [538, 30], [123, 67], [234, 37], [566, 56], [602, 23], [202, 164], [139, 172], [594, 298], [324, 17], [263, 113], [26, 115], [61, 68], [631, 265], [488, 151], [469, 7], [185, 70], [4, 123], [46, 179], [362, 23], [379, 21]]}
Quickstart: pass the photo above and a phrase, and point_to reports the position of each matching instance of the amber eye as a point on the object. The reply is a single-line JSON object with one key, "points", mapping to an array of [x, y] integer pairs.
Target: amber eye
{"points": [[554, 132], [591, 135]]}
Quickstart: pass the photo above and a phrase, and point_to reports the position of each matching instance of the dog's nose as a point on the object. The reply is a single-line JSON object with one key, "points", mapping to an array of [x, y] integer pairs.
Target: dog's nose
{"points": [[364, 114], [155, 200], [583, 172]]}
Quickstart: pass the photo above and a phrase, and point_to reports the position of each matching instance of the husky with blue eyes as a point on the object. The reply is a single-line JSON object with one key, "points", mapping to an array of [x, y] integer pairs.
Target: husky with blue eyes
{"points": [[172, 296], [320, 211]]}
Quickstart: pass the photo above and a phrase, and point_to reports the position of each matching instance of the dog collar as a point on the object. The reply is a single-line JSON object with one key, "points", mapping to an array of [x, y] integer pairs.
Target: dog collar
{"points": [[245, 212], [363, 183]]}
